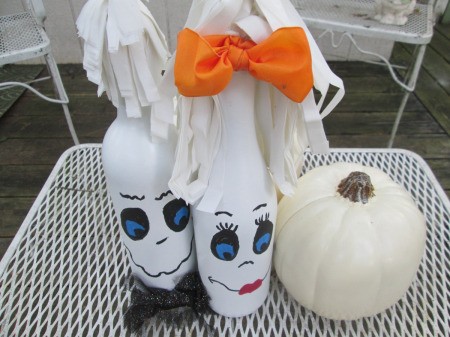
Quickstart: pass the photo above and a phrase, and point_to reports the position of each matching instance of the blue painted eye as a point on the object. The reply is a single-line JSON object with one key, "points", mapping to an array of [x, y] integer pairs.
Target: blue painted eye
{"points": [[176, 214], [134, 223], [225, 251], [133, 228], [225, 244], [182, 214], [263, 235], [262, 243]]}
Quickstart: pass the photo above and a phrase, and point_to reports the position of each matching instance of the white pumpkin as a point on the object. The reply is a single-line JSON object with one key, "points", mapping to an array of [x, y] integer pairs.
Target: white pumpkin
{"points": [[348, 250]]}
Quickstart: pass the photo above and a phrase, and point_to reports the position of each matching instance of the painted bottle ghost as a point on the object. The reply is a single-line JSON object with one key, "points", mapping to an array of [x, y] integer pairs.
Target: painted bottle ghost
{"points": [[234, 243], [124, 54], [242, 134], [156, 228], [234, 213]]}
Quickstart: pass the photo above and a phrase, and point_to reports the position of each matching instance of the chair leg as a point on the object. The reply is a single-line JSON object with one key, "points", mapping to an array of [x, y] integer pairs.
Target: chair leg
{"points": [[413, 75], [398, 118], [61, 92]]}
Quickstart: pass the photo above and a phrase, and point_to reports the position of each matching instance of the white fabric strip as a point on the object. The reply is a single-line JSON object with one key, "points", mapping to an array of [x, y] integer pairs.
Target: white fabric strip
{"points": [[286, 128], [212, 17], [124, 54], [283, 154], [194, 155], [255, 27]]}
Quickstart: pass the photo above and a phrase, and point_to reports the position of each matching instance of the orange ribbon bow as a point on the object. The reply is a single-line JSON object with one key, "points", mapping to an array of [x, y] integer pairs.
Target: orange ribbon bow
{"points": [[204, 65]]}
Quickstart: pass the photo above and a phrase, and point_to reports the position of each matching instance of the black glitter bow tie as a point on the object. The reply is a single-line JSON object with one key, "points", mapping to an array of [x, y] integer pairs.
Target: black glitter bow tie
{"points": [[148, 302]]}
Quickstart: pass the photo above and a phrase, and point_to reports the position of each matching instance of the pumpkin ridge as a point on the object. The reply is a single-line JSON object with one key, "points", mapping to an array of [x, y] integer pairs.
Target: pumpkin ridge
{"points": [[326, 251], [380, 263], [321, 199]]}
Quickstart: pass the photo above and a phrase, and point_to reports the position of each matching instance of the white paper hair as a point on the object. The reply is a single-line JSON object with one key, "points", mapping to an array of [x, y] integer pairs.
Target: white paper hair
{"points": [[124, 54], [286, 128]]}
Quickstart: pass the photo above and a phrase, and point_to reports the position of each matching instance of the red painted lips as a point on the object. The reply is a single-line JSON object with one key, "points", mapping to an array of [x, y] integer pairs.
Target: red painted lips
{"points": [[250, 287]]}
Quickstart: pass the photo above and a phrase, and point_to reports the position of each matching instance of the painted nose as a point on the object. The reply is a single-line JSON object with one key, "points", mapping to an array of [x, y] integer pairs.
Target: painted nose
{"points": [[246, 262], [161, 241]]}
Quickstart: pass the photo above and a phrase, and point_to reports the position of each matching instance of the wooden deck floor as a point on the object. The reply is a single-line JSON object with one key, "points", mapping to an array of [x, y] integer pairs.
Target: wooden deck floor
{"points": [[33, 133]]}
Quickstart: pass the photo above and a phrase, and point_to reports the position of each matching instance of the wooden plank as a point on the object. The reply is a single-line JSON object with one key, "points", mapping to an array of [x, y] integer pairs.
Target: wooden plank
{"points": [[15, 73], [80, 104], [441, 169], [443, 29], [349, 123], [357, 69], [33, 117], [53, 126], [4, 244], [427, 146], [436, 66], [438, 104], [441, 45], [435, 99], [12, 213], [34, 151], [401, 55], [369, 84], [435, 149], [73, 86], [74, 79], [377, 102], [23, 180], [86, 104]]}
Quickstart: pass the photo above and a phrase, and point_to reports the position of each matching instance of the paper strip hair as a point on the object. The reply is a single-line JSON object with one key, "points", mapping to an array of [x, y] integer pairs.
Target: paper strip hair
{"points": [[286, 128], [124, 54]]}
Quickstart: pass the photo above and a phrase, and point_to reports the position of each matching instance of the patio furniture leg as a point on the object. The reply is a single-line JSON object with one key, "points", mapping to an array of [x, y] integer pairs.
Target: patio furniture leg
{"points": [[52, 68], [419, 56]]}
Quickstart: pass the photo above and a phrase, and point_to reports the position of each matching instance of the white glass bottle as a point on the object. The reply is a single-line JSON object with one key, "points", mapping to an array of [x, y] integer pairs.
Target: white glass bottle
{"points": [[156, 229], [234, 243]]}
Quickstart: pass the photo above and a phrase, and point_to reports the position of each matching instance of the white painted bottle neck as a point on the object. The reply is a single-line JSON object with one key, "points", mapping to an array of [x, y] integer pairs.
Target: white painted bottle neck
{"points": [[238, 116]]}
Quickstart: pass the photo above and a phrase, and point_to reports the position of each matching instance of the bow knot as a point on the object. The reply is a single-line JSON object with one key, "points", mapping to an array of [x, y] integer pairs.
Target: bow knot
{"points": [[233, 49], [146, 303], [204, 65]]}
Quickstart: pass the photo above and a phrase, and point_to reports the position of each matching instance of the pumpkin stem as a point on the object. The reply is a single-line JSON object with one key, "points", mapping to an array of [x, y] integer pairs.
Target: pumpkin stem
{"points": [[357, 187]]}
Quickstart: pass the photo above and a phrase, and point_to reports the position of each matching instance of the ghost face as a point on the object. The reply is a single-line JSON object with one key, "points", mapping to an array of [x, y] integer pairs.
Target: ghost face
{"points": [[155, 227], [157, 234], [234, 252]]}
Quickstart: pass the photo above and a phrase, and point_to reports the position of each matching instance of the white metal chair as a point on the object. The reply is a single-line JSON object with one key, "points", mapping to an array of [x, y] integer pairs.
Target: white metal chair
{"points": [[355, 17], [23, 37]]}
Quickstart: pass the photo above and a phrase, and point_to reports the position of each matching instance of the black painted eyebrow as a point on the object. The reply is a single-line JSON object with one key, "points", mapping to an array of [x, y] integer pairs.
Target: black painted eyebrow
{"points": [[259, 206], [132, 197], [165, 194], [223, 212]]}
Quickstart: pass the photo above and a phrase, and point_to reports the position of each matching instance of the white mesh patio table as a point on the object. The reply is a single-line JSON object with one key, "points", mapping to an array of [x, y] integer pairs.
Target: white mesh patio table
{"points": [[65, 273]]}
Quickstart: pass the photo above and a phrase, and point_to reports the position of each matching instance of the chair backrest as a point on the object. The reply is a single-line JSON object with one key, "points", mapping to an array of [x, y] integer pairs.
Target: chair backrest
{"points": [[434, 4], [37, 7]]}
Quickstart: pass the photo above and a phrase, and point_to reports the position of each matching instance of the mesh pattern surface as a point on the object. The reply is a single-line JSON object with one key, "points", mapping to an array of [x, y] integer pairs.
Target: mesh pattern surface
{"points": [[65, 273], [356, 16], [20, 32]]}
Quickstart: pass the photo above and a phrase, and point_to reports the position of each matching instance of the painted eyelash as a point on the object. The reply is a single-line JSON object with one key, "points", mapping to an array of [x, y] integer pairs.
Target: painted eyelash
{"points": [[230, 226], [165, 194], [261, 219], [132, 197]]}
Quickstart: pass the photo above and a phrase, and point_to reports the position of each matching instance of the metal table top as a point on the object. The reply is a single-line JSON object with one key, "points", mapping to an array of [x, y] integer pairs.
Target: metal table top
{"points": [[65, 271], [356, 17]]}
